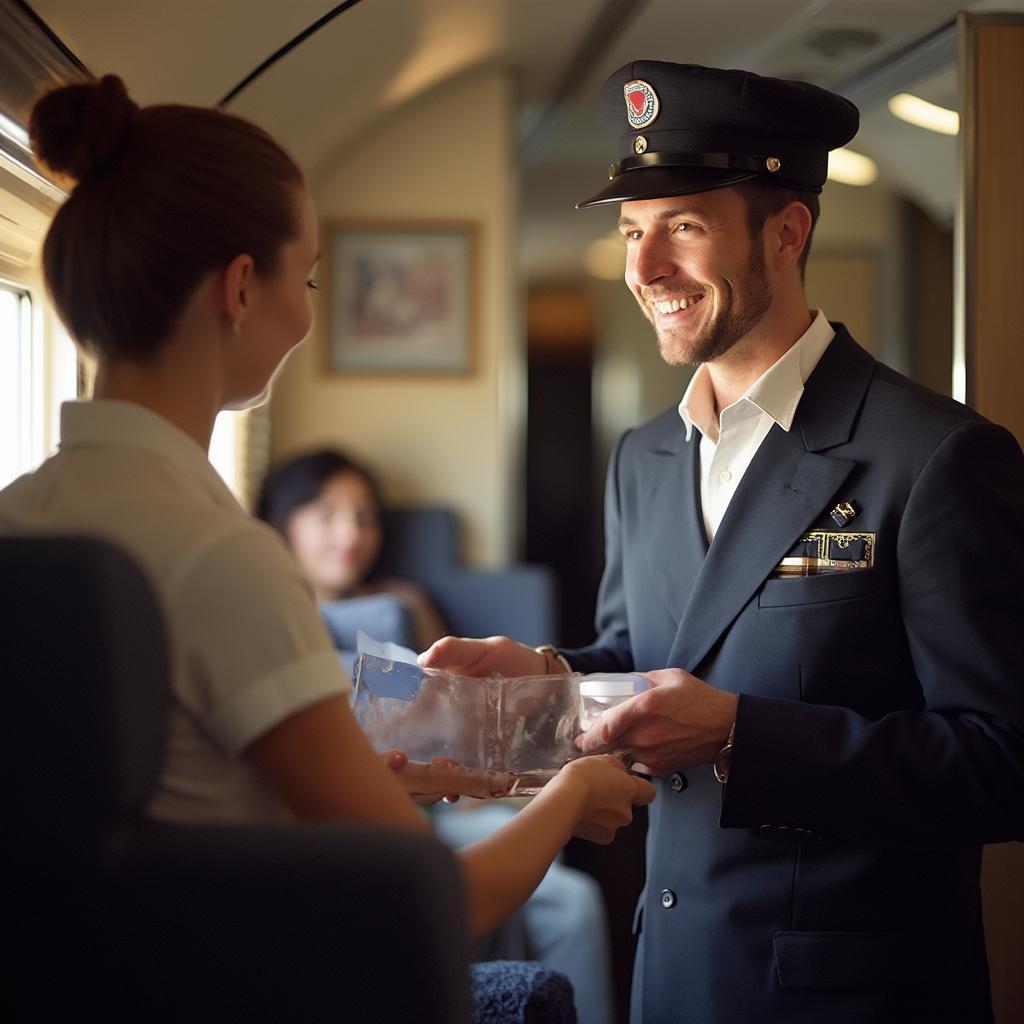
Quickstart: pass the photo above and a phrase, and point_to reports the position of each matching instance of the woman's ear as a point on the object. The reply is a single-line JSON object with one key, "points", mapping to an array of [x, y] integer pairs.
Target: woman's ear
{"points": [[236, 288]]}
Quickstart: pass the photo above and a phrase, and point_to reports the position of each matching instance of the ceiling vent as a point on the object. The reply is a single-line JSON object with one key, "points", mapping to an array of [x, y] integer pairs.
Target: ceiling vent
{"points": [[838, 43]]}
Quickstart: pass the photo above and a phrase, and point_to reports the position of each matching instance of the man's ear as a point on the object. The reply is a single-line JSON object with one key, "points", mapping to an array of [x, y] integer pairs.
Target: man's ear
{"points": [[792, 232], [236, 288]]}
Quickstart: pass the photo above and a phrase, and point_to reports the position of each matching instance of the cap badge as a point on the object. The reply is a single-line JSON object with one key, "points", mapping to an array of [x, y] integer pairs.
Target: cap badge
{"points": [[773, 163], [641, 103], [639, 145]]}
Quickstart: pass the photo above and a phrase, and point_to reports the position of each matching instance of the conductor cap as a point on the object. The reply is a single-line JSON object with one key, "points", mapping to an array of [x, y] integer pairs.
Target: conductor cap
{"points": [[683, 128]]}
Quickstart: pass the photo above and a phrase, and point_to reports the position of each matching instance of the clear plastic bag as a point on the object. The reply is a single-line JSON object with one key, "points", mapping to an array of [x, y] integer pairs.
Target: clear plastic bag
{"points": [[524, 726]]}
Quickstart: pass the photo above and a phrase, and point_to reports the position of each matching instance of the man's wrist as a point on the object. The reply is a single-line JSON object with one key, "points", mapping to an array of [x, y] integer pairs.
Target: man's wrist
{"points": [[555, 664], [723, 758]]}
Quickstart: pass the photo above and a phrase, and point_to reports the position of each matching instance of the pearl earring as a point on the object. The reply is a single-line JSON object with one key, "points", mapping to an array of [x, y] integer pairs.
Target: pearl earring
{"points": [[236, 329]]}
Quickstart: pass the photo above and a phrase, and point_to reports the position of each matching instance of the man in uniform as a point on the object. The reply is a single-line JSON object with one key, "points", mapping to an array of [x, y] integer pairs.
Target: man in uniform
{"points": [[828, 559]]}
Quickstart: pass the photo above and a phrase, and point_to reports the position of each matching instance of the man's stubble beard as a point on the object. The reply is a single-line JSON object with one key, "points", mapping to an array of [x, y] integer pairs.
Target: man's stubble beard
{"points": [[725, 328]]}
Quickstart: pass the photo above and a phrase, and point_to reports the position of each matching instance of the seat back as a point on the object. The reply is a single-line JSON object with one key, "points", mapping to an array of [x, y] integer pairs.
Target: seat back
{"points": [[85, 654], [122, 919], [421, 544]]}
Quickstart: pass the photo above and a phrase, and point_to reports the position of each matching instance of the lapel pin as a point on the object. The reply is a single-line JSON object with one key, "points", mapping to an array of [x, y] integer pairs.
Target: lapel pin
{"points": [[843, 513]]}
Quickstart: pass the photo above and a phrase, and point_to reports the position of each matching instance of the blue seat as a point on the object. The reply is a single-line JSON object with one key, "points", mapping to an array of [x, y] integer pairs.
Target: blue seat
{"points": [[118, 918], [421, 543]]}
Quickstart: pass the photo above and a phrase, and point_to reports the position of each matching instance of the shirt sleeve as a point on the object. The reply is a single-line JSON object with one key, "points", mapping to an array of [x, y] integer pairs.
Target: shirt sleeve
{"points": [[254, 647]]}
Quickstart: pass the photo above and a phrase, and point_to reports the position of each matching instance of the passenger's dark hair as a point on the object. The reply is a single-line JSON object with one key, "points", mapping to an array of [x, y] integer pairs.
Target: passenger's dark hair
{"points": [[300, 480], [764, 198], [164, 194]]}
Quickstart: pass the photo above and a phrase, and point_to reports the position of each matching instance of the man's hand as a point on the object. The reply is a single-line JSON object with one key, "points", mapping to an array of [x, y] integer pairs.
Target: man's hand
{"points": [[679, 723], [494, 656]]}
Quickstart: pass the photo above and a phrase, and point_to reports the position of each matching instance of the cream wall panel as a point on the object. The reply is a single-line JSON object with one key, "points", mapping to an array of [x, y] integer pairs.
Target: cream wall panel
{"points": [[441, 439]]}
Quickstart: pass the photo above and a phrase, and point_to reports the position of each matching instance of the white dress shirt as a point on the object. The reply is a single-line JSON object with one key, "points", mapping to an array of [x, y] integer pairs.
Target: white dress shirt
{"points": [[730, 441]]}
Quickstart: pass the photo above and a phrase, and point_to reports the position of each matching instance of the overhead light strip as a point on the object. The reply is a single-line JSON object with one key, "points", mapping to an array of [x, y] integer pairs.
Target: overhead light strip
{"points": [[923, 114], [850, 168], [14, 132]]}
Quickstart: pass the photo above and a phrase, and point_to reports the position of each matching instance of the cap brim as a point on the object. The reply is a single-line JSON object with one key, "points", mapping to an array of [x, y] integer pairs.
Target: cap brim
{"points": [[662, 182]]}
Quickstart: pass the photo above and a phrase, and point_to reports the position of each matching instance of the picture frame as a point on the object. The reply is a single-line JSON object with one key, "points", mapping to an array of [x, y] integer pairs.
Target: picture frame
{"points": [[402, 296]]}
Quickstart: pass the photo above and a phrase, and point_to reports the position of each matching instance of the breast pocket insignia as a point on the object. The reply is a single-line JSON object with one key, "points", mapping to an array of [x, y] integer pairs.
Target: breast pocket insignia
{"points": [[827, 551]]}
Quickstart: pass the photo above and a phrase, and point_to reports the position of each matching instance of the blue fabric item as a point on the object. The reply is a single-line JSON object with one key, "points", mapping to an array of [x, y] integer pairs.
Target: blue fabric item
{"points": [[520, 992], [566, 927], [382, 616]]}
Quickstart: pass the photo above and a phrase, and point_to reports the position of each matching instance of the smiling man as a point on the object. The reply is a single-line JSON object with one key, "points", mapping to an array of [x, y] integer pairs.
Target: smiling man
{"points": [[818, 564]]}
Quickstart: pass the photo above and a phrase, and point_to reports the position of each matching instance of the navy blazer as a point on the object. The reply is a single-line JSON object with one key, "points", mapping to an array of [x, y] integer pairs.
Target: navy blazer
{"points": [[880, 727]]}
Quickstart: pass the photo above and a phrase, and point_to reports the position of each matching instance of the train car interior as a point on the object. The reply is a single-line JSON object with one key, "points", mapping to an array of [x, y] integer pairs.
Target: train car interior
{"points": [[474, 348]]}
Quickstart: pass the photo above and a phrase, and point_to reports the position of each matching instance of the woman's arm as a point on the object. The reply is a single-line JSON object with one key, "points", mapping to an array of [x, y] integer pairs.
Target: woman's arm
{"points": [[322, 765], [592, 797]]}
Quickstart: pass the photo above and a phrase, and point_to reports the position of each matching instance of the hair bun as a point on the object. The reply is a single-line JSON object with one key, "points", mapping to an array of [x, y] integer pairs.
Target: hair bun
{"points": [[78, 129]]}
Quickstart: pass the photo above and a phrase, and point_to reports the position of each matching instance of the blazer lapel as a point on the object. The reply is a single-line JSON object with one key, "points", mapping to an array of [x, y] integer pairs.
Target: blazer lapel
{"points": [[784, 490], [674, 542]]}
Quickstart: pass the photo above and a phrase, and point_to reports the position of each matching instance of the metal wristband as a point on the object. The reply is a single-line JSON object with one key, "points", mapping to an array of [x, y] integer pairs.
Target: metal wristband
{"points": [[721, 762], [549, 651]]}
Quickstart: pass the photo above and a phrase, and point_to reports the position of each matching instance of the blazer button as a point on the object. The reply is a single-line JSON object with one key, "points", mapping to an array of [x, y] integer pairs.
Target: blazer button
{"points": [[678, 782], [668, 899]]}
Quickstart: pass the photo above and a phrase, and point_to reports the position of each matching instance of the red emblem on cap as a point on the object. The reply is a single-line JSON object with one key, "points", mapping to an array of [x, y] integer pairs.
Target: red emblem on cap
{"points": [[641, 103]]}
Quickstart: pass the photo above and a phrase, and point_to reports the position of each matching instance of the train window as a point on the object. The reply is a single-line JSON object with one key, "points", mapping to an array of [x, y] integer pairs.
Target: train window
{"points": [[38, 371], [34, 383], [240, 450], [16, 383], [226, 451]]}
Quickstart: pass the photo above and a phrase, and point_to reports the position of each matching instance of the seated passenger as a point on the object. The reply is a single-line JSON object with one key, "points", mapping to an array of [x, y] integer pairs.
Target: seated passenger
{"points": [[182, 260], [327, 507]]}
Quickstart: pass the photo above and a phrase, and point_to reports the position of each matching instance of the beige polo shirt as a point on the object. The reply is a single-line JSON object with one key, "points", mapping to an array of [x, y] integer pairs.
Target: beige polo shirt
{"points": [[248, 646]]}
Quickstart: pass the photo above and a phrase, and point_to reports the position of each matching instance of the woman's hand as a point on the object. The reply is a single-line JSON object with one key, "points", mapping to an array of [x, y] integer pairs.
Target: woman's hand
{"points": [[591, 797], [608, 793], [417, 777]]}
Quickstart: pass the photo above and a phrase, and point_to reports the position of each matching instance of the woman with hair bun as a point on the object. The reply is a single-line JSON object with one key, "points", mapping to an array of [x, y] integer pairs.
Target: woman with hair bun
{"points": [[182, 260]]}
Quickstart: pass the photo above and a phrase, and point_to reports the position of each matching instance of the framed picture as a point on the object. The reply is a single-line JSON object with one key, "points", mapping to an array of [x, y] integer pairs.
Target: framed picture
{"points": [[401, 297]]}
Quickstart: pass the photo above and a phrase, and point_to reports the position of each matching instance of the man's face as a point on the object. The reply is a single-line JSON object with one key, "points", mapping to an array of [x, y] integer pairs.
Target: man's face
{"points": [[696, 272]]}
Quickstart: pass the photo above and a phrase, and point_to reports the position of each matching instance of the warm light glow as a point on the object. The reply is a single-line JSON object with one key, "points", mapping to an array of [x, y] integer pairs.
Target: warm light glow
{"points": [[605, 258], [850, 168], [452, 37], [923, 114]]}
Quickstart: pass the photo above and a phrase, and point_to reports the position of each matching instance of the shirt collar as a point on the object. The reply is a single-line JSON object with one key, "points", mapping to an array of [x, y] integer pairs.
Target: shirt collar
{"points": [[113, 423], [776, 392]]}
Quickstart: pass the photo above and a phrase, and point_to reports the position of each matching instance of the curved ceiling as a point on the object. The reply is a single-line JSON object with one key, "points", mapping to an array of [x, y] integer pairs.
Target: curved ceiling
{"points": [[381, 53], [358, 68], [353, 71]]}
